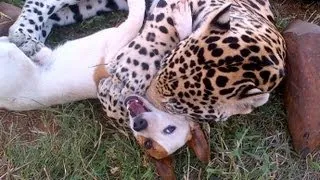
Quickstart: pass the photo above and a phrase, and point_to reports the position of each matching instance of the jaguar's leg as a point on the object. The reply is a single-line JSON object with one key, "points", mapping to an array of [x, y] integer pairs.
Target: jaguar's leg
{"points": [[25, 32], [111, 97], [84, 10], [111, 91], [34, 24]]}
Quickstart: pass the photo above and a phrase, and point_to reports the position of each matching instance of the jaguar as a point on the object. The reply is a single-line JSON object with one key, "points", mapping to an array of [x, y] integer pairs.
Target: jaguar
{"points": [[223, 68]]}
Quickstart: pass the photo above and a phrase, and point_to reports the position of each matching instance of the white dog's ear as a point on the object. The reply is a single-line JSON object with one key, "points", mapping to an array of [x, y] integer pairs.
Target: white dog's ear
{"points": [[199, 144], [165, 168]]}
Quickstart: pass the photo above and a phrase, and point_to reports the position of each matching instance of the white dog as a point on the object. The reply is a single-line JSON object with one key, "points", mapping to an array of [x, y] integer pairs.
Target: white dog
{"points": [[65, 74]]}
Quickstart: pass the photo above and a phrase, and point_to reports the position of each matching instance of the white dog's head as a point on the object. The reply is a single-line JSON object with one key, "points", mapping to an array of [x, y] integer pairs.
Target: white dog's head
{"points": [[161, 133]]}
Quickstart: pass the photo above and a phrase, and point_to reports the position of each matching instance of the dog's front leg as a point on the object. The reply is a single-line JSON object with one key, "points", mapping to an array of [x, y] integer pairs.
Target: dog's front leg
{"points": [[126, 31], [17, 73]]}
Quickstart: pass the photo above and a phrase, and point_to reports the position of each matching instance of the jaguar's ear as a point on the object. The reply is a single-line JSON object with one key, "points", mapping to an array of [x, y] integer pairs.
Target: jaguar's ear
{"points": [[251, 99], [219, 20]]}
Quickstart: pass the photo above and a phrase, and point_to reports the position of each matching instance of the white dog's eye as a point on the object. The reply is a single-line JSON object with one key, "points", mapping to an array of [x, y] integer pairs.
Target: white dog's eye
{"points": [[169, 129]]}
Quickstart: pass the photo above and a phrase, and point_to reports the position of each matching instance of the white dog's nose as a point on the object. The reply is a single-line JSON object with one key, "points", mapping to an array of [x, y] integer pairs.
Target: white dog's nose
{"points": [[140, 124]]}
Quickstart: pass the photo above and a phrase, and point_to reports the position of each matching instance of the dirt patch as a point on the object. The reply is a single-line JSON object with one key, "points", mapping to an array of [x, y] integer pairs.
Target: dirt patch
{"points": [[26, 125]]}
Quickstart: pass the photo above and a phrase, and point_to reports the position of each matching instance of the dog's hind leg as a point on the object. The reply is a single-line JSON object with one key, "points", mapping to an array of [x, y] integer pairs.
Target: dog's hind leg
{"points": [[127, 30]]}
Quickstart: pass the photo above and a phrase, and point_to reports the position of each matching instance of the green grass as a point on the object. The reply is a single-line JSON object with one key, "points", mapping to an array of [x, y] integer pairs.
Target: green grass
{"points": [[82, 149], [88, 146], [14, 2]]}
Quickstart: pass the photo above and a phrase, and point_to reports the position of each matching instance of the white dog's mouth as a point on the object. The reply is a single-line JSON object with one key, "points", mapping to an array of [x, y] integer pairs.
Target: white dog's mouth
{"points": [[135, 106]]}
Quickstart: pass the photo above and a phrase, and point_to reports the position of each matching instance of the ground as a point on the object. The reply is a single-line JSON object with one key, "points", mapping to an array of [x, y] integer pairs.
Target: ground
{"points": [[76, 140]]}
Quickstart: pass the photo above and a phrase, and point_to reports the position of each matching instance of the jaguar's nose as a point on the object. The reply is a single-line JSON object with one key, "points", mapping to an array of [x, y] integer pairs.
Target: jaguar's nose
{"points": [[140, 124]]}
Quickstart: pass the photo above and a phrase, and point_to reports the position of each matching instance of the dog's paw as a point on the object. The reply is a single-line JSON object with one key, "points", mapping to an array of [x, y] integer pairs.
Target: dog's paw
{"points": [[4, 39], [5, 46], [182, 18], [10, 53]]}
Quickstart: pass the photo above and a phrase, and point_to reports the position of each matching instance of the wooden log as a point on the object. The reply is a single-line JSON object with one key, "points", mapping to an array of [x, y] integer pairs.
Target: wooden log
{"points": [[302, 95]]}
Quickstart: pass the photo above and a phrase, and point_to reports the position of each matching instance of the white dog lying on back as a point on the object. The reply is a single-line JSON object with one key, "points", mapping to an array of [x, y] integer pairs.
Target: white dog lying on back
{"points": [[65, 74]]}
